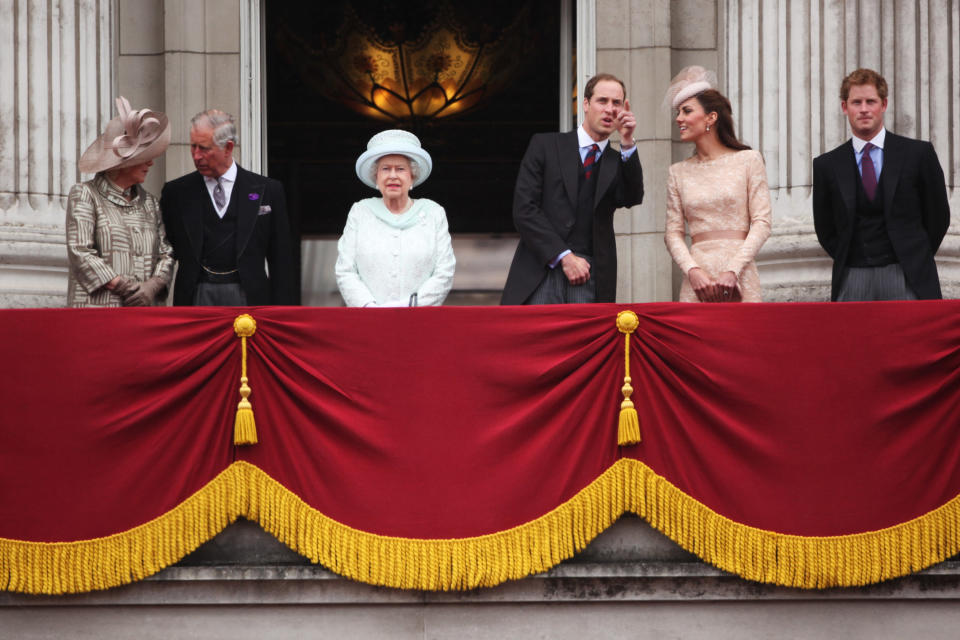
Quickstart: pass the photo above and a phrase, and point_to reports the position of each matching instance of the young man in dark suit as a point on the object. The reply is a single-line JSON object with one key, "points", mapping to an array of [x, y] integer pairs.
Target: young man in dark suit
{"points": [[225, 223], [879, 203], [567, 190]]}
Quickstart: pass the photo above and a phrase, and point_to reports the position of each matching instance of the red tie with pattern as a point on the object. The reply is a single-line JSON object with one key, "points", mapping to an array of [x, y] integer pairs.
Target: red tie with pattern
{"points": [[590, 160], [868, 172]]}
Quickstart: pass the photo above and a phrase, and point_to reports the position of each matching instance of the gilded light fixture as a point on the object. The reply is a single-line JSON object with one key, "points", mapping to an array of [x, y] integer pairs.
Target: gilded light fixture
{"points": [[404, 75]]}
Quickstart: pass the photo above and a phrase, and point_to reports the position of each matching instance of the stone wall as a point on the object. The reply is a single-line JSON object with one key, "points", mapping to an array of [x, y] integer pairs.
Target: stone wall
{"points": [[184, 56], [645, 42]]}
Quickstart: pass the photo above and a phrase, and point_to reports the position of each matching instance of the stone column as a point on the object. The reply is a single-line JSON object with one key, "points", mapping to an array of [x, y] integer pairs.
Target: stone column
{"points": [[55, 96], [140, 66], [784, 62], [645, 42], [634, 42]]}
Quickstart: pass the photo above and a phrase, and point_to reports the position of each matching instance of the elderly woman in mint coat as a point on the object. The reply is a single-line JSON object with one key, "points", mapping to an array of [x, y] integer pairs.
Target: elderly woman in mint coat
{"points": [[395, 250]]}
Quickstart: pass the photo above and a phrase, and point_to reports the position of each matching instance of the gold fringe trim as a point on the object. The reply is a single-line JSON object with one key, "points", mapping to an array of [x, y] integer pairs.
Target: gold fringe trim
{"points": [[808, 562], [129, 556], [438, 564], [483, 561]]}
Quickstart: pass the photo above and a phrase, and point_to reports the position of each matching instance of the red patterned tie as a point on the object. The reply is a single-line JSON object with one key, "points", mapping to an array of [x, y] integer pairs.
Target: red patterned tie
{"points": [[590, 160], [868, 172]]}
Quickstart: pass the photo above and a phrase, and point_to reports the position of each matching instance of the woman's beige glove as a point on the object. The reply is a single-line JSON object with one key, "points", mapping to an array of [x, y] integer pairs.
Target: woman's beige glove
{"points": [[145, 294], [122, 285]]}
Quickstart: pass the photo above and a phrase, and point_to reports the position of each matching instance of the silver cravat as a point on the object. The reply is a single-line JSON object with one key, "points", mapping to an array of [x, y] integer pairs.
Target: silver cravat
{"points": [[219, 198]]}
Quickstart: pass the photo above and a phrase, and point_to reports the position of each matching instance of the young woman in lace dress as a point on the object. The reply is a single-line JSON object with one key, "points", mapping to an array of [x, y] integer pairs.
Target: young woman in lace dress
{"points": [[720, 192]]}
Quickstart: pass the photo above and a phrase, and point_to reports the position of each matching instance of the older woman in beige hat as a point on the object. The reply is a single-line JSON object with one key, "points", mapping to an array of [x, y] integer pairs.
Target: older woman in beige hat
{"points": [[116, 244], [395, 250]]}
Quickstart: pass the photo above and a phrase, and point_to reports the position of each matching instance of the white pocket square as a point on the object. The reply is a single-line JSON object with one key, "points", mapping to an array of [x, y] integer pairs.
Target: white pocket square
{"points": [[264, 210]]}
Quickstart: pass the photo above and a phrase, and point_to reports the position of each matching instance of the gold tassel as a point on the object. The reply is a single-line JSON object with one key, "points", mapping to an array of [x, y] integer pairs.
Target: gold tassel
{"points": [[629, 431], [244, 428]]}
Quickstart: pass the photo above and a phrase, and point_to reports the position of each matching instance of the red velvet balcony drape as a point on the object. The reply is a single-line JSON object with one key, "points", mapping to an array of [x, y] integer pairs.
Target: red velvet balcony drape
{"points": [[801, 444]]}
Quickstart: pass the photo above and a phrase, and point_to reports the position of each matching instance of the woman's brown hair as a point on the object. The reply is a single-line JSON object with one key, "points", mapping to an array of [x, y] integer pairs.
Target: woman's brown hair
{"points": [[713, 101]]}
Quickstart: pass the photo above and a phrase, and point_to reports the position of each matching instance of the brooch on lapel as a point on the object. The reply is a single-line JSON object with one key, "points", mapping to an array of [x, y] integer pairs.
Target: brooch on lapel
{"points": [[254, 196]]}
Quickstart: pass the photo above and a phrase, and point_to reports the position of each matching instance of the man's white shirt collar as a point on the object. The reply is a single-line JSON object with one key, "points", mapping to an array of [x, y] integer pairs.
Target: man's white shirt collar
{"points": [[230, 175], [877, 140], [227, 180], [585, 140]]}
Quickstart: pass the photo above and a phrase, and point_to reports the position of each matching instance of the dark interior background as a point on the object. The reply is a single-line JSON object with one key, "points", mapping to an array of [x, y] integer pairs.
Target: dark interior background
{"points": [[314, 140]]}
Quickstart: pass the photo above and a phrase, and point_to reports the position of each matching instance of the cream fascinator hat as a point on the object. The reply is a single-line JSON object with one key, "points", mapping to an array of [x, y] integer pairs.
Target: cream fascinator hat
{"points": [[133, 137], [688, 83], [393, 142]]}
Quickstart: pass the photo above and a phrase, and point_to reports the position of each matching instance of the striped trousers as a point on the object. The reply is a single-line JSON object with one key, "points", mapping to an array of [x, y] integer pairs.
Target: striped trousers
{"points": [[867, 284], [556, 289]]}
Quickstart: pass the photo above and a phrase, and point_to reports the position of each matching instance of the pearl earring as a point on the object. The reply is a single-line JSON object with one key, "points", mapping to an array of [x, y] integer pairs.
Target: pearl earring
{"points": [[708, 127]]}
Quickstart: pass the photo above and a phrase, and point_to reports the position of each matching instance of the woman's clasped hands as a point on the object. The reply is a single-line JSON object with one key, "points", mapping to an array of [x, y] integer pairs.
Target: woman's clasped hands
{"points": [[724, 288]]}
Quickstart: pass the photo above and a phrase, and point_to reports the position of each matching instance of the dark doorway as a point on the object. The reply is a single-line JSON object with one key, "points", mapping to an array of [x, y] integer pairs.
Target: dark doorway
{"points": [[318, 123]]}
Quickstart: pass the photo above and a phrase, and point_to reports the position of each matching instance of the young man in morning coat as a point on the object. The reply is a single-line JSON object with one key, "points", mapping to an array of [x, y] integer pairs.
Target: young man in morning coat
{"points": [[568, 187], [879, 203]]}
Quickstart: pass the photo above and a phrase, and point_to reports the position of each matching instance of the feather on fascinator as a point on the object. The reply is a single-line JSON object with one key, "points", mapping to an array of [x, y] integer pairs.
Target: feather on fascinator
{"points": [[688, 83]]}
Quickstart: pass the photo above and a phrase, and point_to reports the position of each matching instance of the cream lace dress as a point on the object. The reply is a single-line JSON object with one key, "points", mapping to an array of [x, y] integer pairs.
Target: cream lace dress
{"points": [[728, 193]]}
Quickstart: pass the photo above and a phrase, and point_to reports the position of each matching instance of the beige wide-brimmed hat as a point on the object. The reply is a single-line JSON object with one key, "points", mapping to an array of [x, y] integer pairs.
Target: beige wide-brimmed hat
{"points": [[133, 137], [393, 142]]}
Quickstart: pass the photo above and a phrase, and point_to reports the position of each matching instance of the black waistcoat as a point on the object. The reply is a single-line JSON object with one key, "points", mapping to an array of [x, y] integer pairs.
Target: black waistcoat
{"points": [[219, 236], [581, 235], [870, 244]]}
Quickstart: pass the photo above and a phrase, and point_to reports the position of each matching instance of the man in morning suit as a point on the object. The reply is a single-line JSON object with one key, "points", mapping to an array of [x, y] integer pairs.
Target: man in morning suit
{"points": [[567, 190], [879, 203], [225, 223]]}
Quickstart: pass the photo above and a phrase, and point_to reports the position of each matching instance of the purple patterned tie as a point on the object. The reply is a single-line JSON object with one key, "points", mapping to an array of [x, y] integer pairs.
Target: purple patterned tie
{"points": [[868, 172], [589, 160], [219, 197]]}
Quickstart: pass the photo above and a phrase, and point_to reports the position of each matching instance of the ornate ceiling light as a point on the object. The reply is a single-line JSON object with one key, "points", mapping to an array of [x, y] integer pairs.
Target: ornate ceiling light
{"points": [[404, 73]]}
